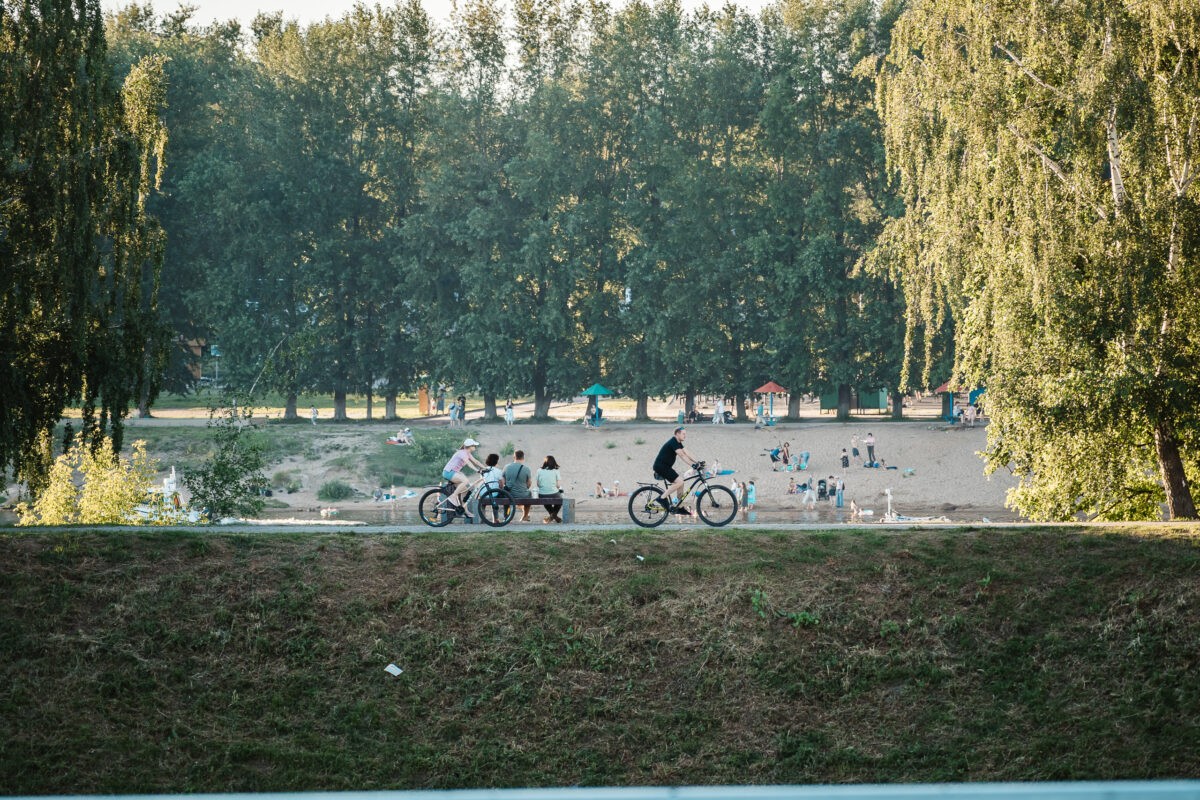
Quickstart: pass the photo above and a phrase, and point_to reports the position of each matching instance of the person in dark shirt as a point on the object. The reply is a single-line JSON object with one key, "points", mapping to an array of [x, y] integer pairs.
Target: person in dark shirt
{"points": [[664, 467]]}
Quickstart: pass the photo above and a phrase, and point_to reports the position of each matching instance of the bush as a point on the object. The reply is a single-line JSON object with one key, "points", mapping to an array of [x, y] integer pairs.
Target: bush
{"points": [[112, 487], [231, 481], [335, 490]]}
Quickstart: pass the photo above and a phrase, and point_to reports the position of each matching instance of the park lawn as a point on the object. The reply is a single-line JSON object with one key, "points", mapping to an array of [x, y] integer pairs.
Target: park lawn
{"points": [[169, 661]]}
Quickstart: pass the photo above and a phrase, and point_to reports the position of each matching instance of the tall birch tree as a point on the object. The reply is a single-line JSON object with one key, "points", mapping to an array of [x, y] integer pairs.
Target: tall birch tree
{"points": [[1047, 154]]}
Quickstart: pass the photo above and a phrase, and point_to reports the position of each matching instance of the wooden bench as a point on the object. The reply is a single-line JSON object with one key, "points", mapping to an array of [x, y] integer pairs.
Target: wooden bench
{"points": [[567, 512]]}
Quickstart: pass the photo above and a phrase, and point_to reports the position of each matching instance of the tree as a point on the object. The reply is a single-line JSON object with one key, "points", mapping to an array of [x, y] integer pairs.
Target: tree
{"points": [[835, 326], [79, 252], [1047, 157], [230, 481]]}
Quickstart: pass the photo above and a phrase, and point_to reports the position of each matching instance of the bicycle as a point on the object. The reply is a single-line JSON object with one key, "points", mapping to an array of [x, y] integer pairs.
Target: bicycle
{"points": [[495, 504], [715, 503]]}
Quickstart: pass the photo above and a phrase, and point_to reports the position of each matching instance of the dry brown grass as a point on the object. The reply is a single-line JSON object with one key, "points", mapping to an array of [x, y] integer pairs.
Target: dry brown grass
{"points": [[180, 662]]}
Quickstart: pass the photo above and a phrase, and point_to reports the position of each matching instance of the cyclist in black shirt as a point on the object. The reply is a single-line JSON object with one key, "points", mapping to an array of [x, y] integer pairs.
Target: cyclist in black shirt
{"points": [[664, 467]]}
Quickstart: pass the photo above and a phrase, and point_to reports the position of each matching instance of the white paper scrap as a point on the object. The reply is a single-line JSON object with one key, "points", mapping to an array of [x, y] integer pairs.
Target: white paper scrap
{"points": [[393, 669], [639, 558]]}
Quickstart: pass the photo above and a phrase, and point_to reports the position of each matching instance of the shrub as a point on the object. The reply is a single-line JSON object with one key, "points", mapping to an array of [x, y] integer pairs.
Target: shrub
{"points": [[231, 481], [335, 490], [111, 488]]}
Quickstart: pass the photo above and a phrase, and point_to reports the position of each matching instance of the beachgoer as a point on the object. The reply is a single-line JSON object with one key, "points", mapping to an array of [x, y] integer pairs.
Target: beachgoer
{"points": [[751, 495], [810, 496], [719, 412], [870, 443], [664, 467], [508, 412], [519, 480], [493, 478], [550, 485], [845, 459], [791, 486], [314, 415], [854, 449]]}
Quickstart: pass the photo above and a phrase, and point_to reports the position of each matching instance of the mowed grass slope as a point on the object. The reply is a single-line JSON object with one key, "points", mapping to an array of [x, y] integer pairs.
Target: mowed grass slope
{"points": [[169, 662]]}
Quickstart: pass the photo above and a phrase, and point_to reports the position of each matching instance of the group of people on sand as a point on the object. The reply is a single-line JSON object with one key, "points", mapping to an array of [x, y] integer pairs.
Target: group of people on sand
{"points": [[516, 477]]}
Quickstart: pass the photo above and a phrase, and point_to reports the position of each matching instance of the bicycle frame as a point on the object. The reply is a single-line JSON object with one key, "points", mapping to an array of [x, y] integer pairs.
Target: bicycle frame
{"points": [[698, 476]]}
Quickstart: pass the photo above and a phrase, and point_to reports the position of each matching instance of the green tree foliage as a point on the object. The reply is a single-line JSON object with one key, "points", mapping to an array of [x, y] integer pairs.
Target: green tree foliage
{"points": [[205, 72], [834, 325], [79, 254], [1047, 155], [661, 200], [231, 480], [109, 487]]}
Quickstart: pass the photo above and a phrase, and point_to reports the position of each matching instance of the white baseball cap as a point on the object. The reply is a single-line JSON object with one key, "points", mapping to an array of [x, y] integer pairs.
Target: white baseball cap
{"points": [[470, 443]]}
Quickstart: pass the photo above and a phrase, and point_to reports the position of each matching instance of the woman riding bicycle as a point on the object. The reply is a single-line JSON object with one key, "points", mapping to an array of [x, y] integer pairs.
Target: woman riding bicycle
{"points": [[453, 472], [664, 466]]}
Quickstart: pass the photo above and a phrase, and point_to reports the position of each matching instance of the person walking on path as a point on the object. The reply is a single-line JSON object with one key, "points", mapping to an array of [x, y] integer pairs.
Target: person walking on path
{"points": [[719, 412], [519, 480], [870, 443], [508, 412], [314, 415]]}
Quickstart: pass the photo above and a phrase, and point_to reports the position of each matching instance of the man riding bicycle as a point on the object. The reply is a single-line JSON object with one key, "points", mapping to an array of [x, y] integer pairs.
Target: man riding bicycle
{"points": [[453, 472], [664, 467]]}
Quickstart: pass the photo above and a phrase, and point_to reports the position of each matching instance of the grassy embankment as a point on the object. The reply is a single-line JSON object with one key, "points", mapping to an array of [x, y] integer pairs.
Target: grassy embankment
{"points": [[162, 661]]}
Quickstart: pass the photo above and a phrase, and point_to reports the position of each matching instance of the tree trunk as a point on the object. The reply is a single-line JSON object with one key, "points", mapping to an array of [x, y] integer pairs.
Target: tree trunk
{"points": [[793, 405], [897, 405], [489, 407], [339, 405], [642, 412], [389, 405], [843, 409], [541, 400], [370, 403], [541, 404], [689, 402], [1179, 496], [289, 408], [739, 400]]}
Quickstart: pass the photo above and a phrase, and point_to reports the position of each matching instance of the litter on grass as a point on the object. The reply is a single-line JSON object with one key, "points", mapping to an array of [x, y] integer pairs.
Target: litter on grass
{"points": [[393, 669]]}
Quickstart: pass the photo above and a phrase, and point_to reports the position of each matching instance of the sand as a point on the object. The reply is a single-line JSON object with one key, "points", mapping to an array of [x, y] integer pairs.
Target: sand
{"points": [[936, 469]]}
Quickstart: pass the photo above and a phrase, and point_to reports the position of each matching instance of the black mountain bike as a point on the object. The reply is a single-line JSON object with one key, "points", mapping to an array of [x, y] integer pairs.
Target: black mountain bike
{"points": [[495, 505], [715, 503]]}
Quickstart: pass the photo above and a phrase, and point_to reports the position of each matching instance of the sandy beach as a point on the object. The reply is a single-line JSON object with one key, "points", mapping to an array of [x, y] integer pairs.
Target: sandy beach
{"points": [[933, 469]]}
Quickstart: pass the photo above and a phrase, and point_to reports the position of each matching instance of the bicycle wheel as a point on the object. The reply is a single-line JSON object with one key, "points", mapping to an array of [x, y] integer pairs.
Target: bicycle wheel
{"points": [[496, 507], [644, 508], [431, 508], [717, 506]]}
